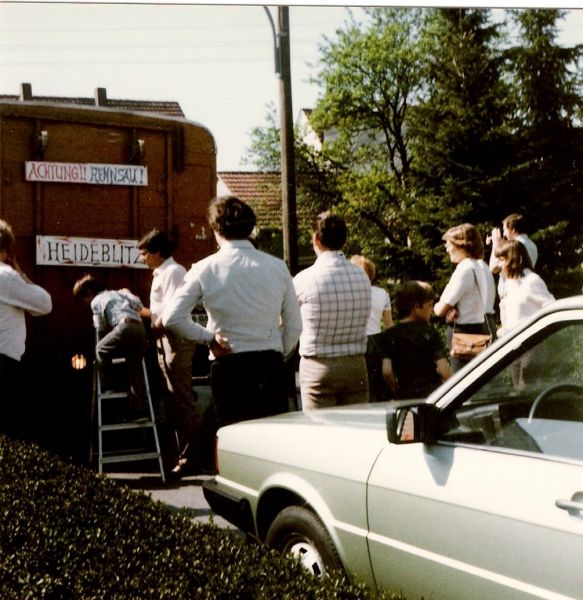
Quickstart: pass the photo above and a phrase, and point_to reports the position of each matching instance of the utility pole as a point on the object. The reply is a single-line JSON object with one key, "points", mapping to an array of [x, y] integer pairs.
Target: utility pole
{"points": [[286, 135]]}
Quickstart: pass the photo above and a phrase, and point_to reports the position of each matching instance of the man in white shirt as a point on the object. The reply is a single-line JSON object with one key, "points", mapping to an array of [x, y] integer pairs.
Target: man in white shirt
{"points": [[512, 229], [174, 353], [335, 301], [251, 304], [18, 295]]}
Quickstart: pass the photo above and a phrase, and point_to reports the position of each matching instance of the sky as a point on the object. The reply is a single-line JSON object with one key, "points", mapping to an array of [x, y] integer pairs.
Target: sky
{"points": [[215, 60]]}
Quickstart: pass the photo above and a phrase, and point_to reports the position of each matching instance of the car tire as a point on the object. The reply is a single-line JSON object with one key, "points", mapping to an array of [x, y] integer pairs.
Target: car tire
{"points": [[299, 532]]}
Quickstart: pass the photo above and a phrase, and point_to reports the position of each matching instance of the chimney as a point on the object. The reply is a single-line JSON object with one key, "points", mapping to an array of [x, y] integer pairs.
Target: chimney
{"points": [[25, 92], [101, 96]]}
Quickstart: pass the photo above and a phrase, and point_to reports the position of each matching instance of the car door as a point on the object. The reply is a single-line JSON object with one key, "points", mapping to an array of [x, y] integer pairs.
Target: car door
{"points": [[494, 509]]}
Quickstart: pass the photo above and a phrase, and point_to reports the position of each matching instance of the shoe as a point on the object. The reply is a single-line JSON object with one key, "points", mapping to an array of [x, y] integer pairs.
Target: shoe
{"points": [[183, 468]]}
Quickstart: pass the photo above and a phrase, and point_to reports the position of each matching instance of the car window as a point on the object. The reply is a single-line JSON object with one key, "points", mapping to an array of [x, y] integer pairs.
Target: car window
{"points": [[533, 401]]}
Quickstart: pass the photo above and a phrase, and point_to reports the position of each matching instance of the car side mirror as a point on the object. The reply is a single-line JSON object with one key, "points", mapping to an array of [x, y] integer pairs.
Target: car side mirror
{"points": [[409, 423]]}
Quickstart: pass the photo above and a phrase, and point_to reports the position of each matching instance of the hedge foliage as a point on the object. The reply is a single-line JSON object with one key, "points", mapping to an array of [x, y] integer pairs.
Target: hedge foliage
{"points": [[67, 532]]}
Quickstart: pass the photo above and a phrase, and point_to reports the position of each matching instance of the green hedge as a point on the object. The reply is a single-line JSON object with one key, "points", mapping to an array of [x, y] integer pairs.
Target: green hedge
{"points": [[67, 532]]}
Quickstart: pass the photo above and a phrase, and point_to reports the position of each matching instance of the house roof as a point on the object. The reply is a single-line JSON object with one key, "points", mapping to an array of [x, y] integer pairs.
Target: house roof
{"points": [[169, 108], [262, 191]]}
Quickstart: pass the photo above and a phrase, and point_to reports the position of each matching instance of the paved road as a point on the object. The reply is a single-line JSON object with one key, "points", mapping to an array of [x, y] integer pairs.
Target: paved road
{"points": [[185, 493]]}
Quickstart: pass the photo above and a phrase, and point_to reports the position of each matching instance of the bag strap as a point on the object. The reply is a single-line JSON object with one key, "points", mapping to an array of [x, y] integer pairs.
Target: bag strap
{"points": [[482, 303]]}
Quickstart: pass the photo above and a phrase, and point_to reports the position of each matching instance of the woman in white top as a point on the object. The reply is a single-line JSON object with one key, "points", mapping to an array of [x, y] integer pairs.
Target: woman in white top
{"points": [[380, 312], [468, 299], [380, 309], [524, 292]]}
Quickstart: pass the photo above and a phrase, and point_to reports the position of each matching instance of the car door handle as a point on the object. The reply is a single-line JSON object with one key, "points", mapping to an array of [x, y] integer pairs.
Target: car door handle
{"points": [[570, 506]]}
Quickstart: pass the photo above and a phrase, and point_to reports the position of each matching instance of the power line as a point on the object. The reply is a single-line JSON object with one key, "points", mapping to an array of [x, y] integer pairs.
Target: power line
{"points": [[156, 61], [45, 47], [194, 28]]}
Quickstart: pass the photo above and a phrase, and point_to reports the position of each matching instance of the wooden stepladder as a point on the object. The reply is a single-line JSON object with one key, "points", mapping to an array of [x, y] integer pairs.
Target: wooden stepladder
{"points": [[111, 447]]}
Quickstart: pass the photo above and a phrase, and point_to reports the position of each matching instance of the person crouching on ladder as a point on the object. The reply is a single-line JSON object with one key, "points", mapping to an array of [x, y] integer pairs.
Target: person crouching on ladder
{"points": [[120, 333]]}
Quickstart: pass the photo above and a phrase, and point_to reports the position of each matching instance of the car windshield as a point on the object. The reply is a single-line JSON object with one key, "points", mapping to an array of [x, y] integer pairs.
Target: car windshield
{"points": [[532, 402]]}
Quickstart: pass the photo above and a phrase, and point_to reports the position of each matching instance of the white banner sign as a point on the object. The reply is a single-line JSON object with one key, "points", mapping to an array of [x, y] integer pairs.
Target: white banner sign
{"points": [[95, 174], [87, 252]]}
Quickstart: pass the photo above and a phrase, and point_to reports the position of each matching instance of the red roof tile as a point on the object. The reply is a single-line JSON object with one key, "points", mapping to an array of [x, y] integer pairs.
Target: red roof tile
{"points": [[262, 191]]}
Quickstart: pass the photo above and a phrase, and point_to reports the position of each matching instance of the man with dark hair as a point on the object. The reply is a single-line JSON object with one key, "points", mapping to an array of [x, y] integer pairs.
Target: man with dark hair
{"points": [[513, 228], [335, 300], [174, 353], [251, 304], [232, 218]]}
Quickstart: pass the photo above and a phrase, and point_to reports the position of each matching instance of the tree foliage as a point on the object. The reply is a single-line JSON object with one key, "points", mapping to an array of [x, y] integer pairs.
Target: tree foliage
{"points": [[548, 145], [460, 132], [432, 117], [370, 79]]}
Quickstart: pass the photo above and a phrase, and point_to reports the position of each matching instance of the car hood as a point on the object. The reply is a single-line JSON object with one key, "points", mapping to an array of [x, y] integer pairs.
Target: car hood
{"points": [[341, 442], [358, 416]]}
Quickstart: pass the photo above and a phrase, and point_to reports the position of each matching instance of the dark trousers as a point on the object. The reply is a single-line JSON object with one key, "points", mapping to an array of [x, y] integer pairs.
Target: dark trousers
{"points": [[248, 385], [378, 389], [12, 409]]}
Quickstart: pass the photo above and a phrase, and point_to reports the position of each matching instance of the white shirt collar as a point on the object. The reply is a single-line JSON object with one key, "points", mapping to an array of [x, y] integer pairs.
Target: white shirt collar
{"points": [[169, 261], [242, 244]]}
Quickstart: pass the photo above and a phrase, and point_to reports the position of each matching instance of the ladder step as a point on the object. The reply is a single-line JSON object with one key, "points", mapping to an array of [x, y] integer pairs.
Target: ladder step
{"points": [[129, 457], [146, 423], [122, 426], [107, 395]]}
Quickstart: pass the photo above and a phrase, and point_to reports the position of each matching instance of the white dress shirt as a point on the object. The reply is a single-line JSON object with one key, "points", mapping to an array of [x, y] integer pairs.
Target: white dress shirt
{"points": [[167, 278], [335, 299], [530, 247], [471, 290], [17, 297], [248, 295]]}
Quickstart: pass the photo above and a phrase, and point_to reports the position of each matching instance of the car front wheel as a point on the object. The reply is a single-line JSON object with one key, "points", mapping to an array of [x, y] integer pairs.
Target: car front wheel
{"points": [[299, 532]]}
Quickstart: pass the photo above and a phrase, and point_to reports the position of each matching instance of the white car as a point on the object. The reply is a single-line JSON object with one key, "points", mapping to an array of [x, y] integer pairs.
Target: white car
{"points": [[474, 492]]}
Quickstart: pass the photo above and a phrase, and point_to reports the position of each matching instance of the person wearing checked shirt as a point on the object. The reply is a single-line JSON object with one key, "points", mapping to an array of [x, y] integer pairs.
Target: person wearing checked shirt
{"points": [[335, 301]]}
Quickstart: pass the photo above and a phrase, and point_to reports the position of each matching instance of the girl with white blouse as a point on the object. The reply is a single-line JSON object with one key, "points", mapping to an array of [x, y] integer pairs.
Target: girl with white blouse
{"points": [[524, 292]]}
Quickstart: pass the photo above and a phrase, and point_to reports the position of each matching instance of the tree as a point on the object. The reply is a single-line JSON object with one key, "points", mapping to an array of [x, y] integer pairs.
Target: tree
{"points": [[461, 138], [264, 153], [369, 77], [547, 185], [430, 118]]}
